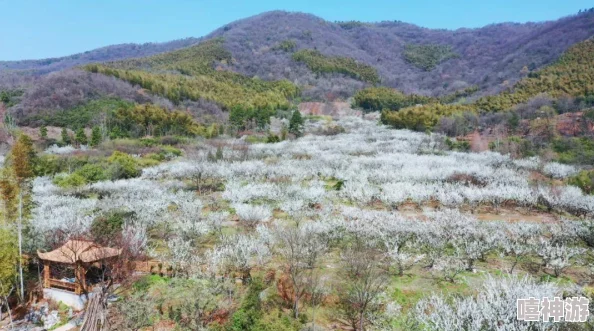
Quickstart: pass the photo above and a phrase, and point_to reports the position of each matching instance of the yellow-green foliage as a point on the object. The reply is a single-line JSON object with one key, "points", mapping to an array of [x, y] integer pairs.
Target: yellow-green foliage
{"points": [[422, 117], [380, 98], [149, 119], [584, 180], [385, 98], [427, 57], [285, 45], [189, 73], [8, 259], [319, 63], [572, 74]]}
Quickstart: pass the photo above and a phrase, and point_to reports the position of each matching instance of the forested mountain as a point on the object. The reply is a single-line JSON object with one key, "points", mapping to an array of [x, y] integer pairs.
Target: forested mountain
{"points": [[569, 78], [490, 57], [108, 53], [266, 60]]}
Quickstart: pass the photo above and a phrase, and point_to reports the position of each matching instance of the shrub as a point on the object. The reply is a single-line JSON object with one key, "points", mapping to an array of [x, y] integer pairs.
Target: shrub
{"points": [[123, 165], [69, 181], [108, 226], [170, 140], [276, 320], [92, 172], [251, 309], [47, 165], [574, 150], [463, 145], [271, 139], [584, 180], [171, 150], [331, 130], [148, 281]]}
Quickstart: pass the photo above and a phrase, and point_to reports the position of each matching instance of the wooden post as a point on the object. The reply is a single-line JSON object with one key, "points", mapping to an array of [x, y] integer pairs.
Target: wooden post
{"points": [[46, 274], [77, 279], [83, 277]]}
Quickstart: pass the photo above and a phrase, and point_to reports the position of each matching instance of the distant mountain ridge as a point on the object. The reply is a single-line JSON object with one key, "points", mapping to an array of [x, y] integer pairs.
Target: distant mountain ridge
{"points": [[487, 56], [494, 53], [107, 53]]}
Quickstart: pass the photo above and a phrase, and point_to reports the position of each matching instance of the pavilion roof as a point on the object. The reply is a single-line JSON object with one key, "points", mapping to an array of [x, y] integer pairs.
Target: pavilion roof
{"points": [[79, 250]]}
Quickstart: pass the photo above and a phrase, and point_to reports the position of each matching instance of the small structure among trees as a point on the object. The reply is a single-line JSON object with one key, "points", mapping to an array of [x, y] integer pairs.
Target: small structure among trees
{"points": [[79, 255]]}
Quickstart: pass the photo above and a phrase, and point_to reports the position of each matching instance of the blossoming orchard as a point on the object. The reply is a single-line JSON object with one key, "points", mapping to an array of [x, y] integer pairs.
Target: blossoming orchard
{"points": [[370, 229]]}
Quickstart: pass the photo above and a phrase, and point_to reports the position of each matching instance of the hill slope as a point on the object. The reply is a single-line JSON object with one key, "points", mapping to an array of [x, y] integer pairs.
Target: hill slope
{"points": [[571, 76], [487, 56], [325, 60], [108, 53]]}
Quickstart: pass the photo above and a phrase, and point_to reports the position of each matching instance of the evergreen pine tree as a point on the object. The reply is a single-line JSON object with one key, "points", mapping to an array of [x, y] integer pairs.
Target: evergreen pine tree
{"points": [[284, 132], [22, 159], [95, 136], [210, 157], [296, 123], [219, 154], [43, 132], [65, 137], [4, 97], [81, 137]]}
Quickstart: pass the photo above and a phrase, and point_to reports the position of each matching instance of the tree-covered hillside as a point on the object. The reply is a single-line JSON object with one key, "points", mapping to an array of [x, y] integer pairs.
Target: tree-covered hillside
{"points": [[190, 74], [571, 76], [407, 57], [491, 57], [108, 53]]}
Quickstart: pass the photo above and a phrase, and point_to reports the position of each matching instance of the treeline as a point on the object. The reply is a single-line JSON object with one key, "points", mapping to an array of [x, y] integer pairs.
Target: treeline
{"points": [[189, 74], [319, 63], [152, 120], [85, 115], [571, 75], [349, 25], [123, 119], [424, 117], [385, 98], [379, 98]]}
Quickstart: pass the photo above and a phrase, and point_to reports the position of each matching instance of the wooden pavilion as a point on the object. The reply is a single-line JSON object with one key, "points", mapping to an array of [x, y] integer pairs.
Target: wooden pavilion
{"points": [[81, 255]]}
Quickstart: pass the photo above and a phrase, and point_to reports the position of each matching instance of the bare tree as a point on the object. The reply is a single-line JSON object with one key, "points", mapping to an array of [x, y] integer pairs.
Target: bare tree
{"points": [[518, 241], [300, 249], [365, 281], [557, 256], [318, 291]]}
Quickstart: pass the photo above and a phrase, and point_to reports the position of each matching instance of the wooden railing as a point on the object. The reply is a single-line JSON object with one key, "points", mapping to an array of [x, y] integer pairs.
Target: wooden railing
{"points": [[68, 286], [151, 266]]}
